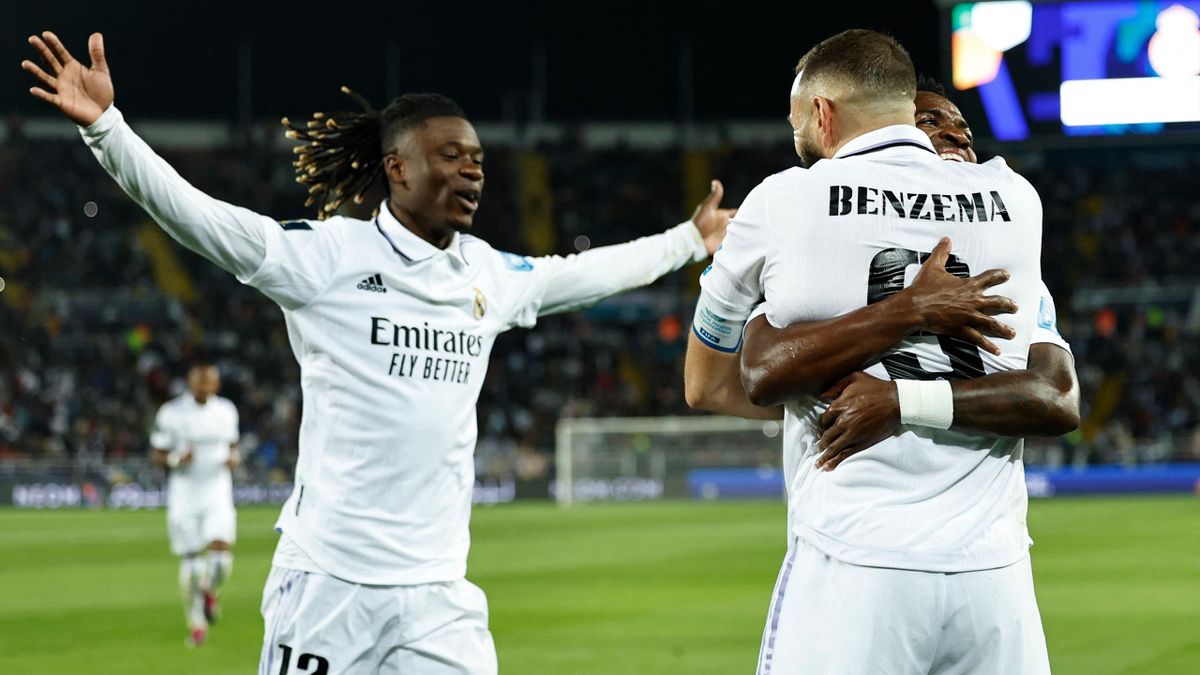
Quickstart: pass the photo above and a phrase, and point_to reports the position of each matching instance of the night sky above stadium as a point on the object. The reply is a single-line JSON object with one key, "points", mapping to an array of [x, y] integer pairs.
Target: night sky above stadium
{"points": [[622, 61]]}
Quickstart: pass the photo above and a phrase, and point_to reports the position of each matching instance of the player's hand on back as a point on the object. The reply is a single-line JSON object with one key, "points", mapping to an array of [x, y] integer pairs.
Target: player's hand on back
{"points": [[711, 219], [863, 411], [82, 93], [186, 458], [949, 305]]}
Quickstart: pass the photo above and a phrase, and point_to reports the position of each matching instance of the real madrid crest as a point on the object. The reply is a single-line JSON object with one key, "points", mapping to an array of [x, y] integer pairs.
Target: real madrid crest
{"points": [[480, 304]]}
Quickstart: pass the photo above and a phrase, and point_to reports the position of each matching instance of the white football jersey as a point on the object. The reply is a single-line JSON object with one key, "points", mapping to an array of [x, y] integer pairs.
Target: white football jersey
{"points": [[846, 233], [207, 430], [392, 335]]}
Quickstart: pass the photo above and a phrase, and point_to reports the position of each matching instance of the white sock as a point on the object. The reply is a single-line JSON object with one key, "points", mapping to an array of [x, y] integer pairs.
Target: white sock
{"points": [[220, 566], [191, 587]]}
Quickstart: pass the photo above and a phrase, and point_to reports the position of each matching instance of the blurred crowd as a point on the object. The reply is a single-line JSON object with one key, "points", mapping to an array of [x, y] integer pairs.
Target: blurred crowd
{"points": [[94, 336]]}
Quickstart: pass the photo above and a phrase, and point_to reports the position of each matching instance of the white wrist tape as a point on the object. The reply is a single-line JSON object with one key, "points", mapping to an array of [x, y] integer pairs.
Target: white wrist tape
{"points": [[173, 460], [926, 404]]}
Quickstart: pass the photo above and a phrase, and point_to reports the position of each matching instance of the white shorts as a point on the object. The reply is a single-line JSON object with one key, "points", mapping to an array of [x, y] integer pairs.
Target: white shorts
{"points": [[828, 617], [315, 623], [192, 531]]}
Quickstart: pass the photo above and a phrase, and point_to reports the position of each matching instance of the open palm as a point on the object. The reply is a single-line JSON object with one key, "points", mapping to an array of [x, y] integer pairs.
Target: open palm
{"points": [[80, 92]]}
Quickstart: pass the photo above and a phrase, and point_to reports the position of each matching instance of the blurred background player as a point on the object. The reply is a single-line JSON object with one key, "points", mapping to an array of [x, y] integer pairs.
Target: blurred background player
{"points": [[392, 320], [196, 439]]}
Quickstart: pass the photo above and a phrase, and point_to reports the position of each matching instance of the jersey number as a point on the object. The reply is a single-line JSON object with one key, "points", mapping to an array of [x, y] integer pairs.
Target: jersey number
{"points": [[887, 277], [308, 663]]}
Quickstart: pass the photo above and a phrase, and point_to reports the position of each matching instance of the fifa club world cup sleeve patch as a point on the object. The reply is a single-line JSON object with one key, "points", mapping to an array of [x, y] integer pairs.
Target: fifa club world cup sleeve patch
{"points": [[516, 263], [714, 330], [1047, 317], [1046, 330]]}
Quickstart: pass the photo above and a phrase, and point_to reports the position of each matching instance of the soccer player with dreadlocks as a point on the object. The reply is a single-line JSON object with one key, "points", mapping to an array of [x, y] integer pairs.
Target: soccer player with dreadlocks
{"points": [[392, 320]]}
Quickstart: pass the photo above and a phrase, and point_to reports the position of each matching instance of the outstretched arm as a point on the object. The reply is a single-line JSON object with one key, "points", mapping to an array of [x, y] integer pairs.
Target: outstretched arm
{"points": [[229, 236], [783, 364], [585, 278], [236, 239], [1042, 400]]}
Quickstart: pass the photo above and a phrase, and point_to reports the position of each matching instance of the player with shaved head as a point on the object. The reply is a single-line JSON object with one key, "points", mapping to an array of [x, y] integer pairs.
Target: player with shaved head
{"points": [[898, 560]]}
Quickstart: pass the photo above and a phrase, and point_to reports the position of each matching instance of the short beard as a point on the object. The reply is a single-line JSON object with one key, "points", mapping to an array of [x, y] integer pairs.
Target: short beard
{"points": [[809, 153]]}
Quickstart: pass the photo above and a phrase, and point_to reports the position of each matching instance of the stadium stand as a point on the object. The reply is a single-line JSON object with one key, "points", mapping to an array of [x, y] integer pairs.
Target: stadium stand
{"points": [[102, 311]]}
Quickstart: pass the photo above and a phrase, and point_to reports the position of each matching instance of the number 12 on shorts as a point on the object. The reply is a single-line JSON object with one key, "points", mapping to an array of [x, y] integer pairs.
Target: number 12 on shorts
{"points": [[310, 664], [887, 277]]}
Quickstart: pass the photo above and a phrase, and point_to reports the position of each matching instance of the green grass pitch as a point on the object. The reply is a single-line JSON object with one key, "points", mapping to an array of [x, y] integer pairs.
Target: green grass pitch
{"points": [[633, 589]]}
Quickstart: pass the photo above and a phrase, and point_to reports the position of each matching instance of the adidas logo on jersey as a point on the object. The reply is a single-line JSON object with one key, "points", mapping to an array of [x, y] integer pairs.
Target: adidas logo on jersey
{"points": [[372, 283]]}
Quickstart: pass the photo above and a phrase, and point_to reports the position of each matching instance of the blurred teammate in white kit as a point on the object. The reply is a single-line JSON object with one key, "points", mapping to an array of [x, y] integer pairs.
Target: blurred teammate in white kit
{"points": [[196, 438]]}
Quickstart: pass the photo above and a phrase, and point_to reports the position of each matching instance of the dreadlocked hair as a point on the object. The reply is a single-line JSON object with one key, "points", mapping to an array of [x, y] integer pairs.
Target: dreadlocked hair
{"points": [[342, 154]]}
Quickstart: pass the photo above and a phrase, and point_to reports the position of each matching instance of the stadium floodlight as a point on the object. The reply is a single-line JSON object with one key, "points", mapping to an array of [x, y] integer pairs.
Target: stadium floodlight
{"points": [[1002, 25], [640, 458]]}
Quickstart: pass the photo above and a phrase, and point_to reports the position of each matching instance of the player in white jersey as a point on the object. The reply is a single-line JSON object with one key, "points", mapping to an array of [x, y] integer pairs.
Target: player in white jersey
{"points": [[899, 559], [195, 438], [392, 320], [1041, 400], [766, 353]]}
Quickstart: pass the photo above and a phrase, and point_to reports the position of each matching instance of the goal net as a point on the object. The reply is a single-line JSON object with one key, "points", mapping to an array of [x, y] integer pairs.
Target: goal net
{"points": [[638, 458]]}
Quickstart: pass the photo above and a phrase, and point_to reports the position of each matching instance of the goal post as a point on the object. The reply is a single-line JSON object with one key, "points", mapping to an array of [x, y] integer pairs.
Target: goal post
{"points": [[640, 458]]}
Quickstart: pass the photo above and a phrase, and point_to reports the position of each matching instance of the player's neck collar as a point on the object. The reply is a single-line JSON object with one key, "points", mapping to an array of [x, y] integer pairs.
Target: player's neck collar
{"points": [[903, 136], [407, 244]]}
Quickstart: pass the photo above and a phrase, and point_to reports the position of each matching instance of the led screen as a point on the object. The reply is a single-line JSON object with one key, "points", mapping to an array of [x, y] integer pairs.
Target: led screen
{"points": [[1079, 68]]}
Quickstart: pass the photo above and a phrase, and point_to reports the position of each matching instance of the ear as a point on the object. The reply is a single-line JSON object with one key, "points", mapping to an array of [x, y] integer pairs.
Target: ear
{"points": [[826, 122], [394, 169]]}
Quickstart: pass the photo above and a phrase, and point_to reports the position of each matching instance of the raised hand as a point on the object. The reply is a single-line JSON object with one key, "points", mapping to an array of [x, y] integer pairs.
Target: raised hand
{"points": [[863, 411], [80, 92], [958, 307], [711, 219]]}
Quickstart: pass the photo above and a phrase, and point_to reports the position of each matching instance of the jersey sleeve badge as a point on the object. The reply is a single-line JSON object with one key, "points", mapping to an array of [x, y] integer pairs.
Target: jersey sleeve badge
{"points": [[1047, 317], [516, 263]]}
